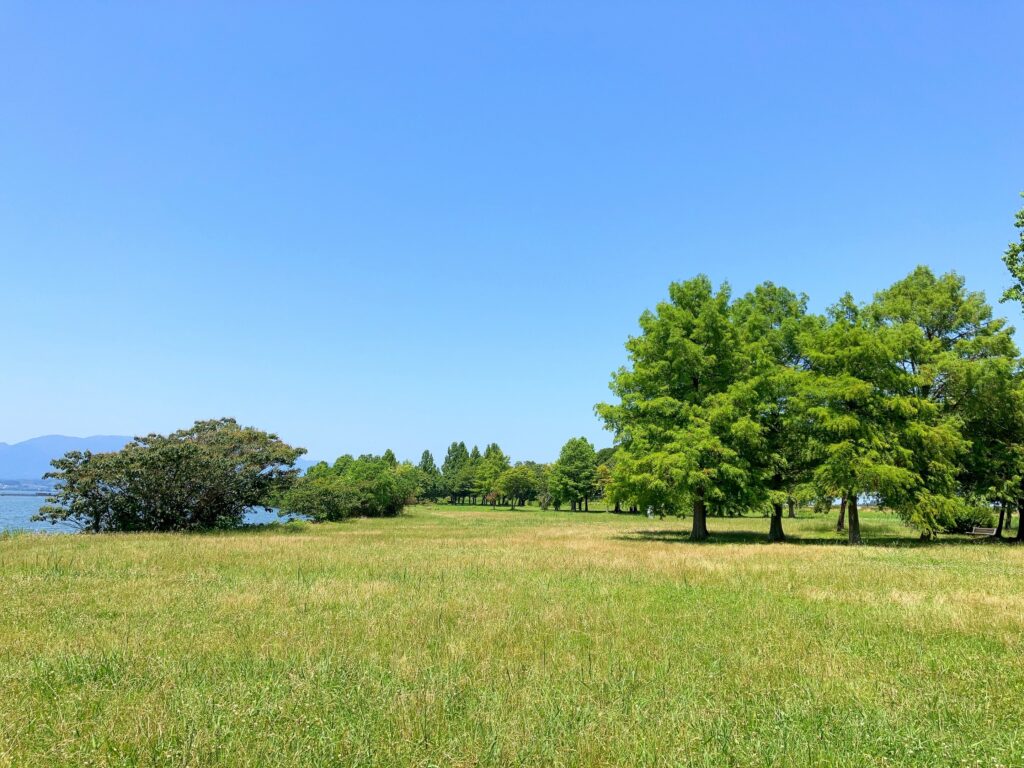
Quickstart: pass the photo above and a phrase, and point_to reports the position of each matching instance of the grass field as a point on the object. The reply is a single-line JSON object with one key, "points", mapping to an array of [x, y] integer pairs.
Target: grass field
{"points": [[457, 637]]}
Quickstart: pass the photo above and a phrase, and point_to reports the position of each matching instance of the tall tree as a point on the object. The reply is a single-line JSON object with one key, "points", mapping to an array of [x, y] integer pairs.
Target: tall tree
{"points": [[771, 321], [879, 435], [430, 477], [951, 342], [491, 465], [452, 470], [574, 475], [673, 423]]}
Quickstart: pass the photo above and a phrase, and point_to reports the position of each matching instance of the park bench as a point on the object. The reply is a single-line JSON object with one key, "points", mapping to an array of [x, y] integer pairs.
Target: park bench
{"points": [[978, 531]]}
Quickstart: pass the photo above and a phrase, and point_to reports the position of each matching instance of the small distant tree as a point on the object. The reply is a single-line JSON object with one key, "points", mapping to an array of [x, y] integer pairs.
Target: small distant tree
{"points": [[490, 467], [453, 471], [517, 484], [574, 476], [431, 481]]}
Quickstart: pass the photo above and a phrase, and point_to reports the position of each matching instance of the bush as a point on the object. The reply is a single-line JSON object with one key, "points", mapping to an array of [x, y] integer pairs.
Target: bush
{"points": [[968, 516], [369, 486]]}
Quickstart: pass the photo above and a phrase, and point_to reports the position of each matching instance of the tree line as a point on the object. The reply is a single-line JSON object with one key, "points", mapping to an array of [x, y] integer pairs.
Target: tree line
{"points": [[914, 400], [381, 485]]}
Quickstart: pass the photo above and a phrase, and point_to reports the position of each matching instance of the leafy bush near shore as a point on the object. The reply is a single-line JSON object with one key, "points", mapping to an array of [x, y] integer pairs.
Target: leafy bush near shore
{"points": [[202, 477]]}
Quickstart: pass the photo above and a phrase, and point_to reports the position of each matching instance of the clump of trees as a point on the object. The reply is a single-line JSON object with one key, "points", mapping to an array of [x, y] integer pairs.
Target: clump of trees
{"points": [[203, 477], [368, 486], [912, 400], [471, 477]]}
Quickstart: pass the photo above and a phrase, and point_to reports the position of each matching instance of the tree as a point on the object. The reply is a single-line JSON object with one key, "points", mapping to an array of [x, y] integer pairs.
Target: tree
{"points": [[517, 484], [202, 477], [489, 469], [952, 341], [452, 470], [879, 436], [780, 450], [574, 475], [369, 486], [674, 424], [431, 482]]}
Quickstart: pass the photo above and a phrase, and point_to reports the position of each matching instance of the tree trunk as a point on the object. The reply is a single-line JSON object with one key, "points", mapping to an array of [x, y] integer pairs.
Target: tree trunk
{"points": [[792, 506], [586, 504], [1020, 520], [851, 506], [617, 508], [841, 522], [1002, 518], [699, 532], [775, 531]]}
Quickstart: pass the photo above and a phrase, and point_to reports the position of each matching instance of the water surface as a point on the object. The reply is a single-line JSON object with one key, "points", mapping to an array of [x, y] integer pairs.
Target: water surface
{"points": [[16, 514]]}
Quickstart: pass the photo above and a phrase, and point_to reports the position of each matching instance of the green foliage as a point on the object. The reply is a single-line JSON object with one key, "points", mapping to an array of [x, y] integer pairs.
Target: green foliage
{"points": [[969, 515], [573, 477], [202, 477], [518, 484], [489, 469], [431, 482], [370, 486], [730, 406], [1014, 260]]}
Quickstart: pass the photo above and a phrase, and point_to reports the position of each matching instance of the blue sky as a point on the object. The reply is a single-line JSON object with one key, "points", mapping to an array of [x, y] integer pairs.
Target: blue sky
{"points": [[375, 225]]}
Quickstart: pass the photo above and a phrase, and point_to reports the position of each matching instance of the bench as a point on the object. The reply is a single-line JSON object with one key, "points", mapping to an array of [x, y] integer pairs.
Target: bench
{"points": [[978, 531]]}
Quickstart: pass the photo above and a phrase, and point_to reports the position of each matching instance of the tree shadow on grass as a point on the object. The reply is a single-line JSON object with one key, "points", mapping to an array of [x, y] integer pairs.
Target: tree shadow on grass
{"points": [[757, 537]]}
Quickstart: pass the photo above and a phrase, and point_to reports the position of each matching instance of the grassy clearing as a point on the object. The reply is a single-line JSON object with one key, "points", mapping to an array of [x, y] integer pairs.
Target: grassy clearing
{"points": [[478, 637]]}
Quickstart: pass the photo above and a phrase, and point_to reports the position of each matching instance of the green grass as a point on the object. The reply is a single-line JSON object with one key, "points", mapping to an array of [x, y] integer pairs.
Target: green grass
{"points": [[478, 637]]}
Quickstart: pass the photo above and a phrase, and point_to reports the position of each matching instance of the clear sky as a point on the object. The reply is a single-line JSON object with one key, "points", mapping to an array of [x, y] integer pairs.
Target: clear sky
{"points": [[376, 224]]}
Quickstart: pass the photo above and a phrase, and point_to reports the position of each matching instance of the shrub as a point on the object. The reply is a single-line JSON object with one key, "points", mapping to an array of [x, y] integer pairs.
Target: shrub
{"points": [[968, 516], [369, 486]]}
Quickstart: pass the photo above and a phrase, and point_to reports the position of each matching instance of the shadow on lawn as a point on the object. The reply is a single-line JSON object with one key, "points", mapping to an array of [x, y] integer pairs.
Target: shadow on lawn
{"points": [[755, 537]]}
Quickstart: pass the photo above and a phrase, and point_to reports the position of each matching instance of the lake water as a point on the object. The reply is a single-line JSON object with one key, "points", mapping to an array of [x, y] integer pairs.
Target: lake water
{"points": [[16, 514]]}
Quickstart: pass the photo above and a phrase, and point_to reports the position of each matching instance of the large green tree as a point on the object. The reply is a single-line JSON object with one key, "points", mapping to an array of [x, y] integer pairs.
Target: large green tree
{"points": [[881, 437], [675, 424], [206, 476], [781, 451]]}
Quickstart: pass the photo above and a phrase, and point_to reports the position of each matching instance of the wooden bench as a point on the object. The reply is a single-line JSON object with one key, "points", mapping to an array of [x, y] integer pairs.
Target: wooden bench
{"points": [[977, 531]]}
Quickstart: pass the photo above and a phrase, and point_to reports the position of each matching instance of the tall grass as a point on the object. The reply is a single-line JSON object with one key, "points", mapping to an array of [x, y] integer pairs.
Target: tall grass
{"points": [[478, 637]]}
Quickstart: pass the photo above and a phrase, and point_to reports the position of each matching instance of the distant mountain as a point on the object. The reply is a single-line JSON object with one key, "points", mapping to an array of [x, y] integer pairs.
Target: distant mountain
{"points": [[30, 459]]}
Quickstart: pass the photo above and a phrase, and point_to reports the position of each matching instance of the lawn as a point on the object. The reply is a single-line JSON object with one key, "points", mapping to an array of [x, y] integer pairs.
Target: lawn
{"points": [[457, 637]]}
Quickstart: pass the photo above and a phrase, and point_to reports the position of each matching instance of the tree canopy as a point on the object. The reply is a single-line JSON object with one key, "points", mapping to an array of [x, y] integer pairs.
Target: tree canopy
{"points": [[202, 477]]}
